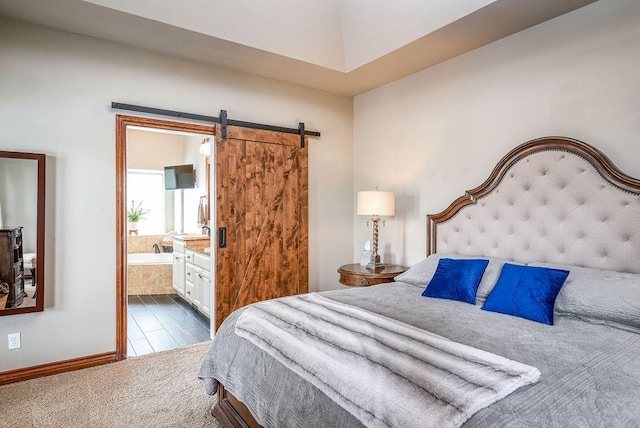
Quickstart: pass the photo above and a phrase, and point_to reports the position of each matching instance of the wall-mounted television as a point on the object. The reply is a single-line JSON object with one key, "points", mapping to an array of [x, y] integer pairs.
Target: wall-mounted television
{"points": [[179, 177]]}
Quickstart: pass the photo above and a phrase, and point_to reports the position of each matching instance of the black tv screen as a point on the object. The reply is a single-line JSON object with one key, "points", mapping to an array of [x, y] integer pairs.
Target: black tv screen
{"points": [[179, 177]]}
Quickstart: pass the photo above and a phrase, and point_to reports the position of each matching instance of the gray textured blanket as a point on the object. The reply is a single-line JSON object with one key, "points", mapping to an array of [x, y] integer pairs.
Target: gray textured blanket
{"points": [[590, 374], [384, 372]]}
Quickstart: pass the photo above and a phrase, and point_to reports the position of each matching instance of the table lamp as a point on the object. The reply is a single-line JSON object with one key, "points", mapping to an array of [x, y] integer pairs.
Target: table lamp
{"points": [[376, 204]]}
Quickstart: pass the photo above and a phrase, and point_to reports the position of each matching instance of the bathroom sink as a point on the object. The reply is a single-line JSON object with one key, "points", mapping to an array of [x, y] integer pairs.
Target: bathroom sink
{"points": [[191, 236]]}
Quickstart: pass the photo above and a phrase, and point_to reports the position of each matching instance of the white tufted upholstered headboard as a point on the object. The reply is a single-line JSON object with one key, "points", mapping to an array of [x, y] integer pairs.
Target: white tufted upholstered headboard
{"points": [[554, 200]]}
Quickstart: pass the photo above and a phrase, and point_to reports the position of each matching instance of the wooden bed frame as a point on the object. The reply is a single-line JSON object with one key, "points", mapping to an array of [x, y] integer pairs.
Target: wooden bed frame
{"points": [[231, 412]]}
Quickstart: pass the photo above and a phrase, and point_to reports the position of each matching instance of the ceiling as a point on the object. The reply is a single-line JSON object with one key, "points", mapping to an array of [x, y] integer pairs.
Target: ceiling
{"points": [[342, 46]]}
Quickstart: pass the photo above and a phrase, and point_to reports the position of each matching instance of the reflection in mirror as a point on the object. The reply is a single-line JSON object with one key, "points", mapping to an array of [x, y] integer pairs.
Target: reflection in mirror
{"points": [[21, 232]]}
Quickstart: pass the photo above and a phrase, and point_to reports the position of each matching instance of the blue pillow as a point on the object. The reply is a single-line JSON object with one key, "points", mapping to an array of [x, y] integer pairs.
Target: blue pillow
{"points": [[527, 292], [456, 279]]}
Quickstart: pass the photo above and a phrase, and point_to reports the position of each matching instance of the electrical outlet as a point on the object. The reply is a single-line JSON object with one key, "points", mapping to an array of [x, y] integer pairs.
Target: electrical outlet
{"points": [[14, 341]]}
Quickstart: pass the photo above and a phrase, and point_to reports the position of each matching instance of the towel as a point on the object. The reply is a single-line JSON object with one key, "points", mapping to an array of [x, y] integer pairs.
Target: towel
{"points": [[202, 217]]}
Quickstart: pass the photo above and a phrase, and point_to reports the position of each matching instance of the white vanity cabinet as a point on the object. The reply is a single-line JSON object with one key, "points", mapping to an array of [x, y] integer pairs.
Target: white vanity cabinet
{"points": [[192, 275], [190, 292], [179, 268], [205, 278], [202, 282]]}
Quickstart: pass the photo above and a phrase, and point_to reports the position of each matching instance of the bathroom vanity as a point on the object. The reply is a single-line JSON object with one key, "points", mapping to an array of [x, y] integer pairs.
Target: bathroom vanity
{"points": [[192, 271]]}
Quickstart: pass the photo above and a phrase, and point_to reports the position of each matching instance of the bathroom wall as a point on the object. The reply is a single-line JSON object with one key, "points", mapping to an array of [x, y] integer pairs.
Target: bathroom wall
{"points": [[154, 150]]}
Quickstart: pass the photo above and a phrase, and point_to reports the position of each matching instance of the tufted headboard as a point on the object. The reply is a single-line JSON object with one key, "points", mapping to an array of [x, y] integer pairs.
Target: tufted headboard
{"points": [[554, 200]]}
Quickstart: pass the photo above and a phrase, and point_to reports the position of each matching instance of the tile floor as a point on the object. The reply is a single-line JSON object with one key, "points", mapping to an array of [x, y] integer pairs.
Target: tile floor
{"points": [[162, 322]]}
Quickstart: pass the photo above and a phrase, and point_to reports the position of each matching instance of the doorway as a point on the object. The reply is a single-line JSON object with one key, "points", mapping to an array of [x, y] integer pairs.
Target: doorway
{"points": [[151, 313]]}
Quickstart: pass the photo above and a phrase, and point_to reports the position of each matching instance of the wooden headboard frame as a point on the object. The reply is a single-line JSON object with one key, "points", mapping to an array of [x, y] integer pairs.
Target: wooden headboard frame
{"points": [[600, 162]]}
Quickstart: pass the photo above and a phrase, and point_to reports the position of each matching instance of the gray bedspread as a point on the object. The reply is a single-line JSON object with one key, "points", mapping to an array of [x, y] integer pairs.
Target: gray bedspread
{"points": [[590, 374]]}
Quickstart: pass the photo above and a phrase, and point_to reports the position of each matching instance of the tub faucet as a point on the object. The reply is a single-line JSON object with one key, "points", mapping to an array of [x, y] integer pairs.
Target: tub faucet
{"points": [[156, 248]]}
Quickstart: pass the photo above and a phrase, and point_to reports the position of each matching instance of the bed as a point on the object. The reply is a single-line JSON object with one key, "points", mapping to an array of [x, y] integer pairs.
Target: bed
{"points": [[551, 205]]}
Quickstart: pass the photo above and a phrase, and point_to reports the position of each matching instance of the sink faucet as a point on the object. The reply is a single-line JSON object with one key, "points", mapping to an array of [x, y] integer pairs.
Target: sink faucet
{"points": [[156, 249]]}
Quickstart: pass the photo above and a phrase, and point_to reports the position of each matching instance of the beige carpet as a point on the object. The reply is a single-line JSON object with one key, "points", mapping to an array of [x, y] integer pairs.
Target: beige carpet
{"points": [[156, 390]]}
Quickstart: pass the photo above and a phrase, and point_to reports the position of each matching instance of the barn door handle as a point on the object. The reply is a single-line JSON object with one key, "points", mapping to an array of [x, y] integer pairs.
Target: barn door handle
{"points": [[222, 237]]}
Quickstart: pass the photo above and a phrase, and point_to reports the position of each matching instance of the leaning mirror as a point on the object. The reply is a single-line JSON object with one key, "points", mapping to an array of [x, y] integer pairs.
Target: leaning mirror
{"points": [[22, 199]]}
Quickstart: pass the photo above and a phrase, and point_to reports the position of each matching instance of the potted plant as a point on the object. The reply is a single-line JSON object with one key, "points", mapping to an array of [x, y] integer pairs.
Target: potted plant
{"points": [[135, 214]]}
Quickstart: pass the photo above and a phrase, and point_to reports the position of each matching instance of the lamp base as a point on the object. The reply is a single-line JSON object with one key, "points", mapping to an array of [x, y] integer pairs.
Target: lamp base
{"points": [[374, 263]]}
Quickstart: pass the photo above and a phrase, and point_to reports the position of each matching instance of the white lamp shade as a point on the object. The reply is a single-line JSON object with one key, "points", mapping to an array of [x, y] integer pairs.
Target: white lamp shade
{"points": [[375, 203]]}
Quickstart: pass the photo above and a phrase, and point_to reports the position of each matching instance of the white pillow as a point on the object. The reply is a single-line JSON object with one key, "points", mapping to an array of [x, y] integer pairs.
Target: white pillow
{"points": [[599, 296], [421, 273]]}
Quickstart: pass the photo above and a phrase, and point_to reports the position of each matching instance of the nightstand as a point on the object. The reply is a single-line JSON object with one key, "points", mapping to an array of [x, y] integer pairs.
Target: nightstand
{"points": [[355, 275]]}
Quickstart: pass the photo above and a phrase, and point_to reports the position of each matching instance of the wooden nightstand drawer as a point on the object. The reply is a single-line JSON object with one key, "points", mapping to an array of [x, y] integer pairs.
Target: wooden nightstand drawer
{"points": [[355, 275]]}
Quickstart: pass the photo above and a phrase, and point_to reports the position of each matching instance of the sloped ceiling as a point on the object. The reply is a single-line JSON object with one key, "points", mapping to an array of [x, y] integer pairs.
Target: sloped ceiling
{"points": [[341, 46]]}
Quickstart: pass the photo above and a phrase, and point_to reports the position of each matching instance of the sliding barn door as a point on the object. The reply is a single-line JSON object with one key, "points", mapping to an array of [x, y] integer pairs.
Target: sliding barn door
{"points": [[262, 210]]}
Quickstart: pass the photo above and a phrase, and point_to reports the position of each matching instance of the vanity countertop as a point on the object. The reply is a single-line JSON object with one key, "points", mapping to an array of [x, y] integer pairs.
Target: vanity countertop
{"points": [[204, 251], [189, 237], [198, 243]]}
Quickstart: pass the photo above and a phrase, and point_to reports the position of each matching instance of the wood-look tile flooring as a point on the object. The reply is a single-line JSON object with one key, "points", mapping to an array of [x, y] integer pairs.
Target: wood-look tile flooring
{"points": [[162, 322]]}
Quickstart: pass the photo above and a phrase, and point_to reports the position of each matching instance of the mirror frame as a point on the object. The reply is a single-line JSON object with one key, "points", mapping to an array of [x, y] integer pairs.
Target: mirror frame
{"points": [[40, 234]]}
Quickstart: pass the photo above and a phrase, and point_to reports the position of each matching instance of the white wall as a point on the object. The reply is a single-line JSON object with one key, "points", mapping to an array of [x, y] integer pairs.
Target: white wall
{"points": [[57, 90], [433, 135]]}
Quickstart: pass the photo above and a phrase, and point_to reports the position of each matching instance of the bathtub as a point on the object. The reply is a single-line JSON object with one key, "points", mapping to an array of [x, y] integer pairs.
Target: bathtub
{"points": [[150, 273], [137, 259]]}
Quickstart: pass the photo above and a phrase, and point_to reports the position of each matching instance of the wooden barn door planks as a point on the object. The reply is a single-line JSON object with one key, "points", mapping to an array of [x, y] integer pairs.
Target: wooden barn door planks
{"points": [[262, 200]]}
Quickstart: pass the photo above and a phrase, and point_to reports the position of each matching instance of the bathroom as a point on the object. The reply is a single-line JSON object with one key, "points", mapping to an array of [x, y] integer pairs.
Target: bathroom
{"points": [[158, 317]]}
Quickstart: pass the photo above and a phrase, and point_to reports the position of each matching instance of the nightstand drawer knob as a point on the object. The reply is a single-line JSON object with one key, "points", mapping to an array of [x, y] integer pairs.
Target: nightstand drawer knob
{"points": [[364, 281]]}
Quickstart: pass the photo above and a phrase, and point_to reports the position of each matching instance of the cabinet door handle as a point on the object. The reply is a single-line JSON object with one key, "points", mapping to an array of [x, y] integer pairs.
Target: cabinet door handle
{"points": [[222, 237]]}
